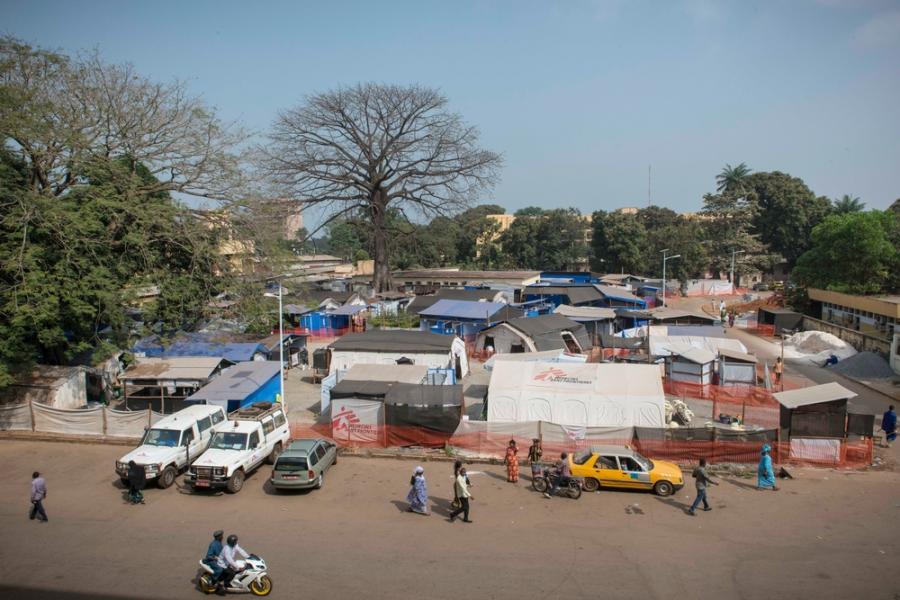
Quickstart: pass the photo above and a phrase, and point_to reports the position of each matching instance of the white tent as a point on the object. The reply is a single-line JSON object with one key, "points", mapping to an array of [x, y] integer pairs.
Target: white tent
{"points": [[545, 356], [580, 395], [660, 344]]}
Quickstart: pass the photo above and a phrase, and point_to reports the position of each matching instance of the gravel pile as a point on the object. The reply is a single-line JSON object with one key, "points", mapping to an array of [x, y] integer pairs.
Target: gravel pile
{"points": [[865, 365]]}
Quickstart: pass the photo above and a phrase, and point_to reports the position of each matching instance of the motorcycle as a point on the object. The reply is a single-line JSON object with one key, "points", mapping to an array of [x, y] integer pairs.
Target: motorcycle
{"points": [[544, 482], [252, 579]]}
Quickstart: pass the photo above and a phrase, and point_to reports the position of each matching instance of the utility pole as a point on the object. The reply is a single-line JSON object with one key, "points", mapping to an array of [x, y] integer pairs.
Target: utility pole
{"points": [[733, 253], [665, 260]]}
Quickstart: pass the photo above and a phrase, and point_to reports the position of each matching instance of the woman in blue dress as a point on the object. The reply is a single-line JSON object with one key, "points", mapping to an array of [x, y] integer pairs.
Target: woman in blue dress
{"points": [[765, 474], [418, 493]]}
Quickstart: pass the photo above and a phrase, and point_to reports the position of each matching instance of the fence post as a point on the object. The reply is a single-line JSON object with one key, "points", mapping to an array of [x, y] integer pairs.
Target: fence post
{"points": [[31, 411], [105, 425], [149, 415]]}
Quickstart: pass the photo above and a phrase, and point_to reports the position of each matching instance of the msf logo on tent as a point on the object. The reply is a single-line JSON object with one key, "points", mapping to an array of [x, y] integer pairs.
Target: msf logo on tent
{"points": [[556, 375], [344, 419]]}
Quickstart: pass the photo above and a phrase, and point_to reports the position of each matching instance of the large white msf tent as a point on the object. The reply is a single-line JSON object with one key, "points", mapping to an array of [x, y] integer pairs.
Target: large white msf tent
{"points": [[581, 395]]}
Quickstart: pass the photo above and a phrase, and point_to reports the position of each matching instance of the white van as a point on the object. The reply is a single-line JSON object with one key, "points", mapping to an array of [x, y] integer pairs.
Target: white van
{"points": [[173, 442]]}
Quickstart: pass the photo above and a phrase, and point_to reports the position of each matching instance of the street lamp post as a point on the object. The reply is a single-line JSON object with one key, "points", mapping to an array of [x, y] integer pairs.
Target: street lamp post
{"points": [[733, 253], [665, 260], [280, 346]]}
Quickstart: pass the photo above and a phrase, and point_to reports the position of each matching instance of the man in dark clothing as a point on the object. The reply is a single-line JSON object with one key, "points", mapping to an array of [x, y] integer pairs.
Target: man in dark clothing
{"points": [[137, 479], [702, 479], [889, 425], [212, 555], [563, 474], [38, 494]]}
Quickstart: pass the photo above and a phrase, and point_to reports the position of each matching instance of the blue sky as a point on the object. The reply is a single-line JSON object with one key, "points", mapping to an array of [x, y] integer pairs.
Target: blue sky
{"points": [[580, 97]]}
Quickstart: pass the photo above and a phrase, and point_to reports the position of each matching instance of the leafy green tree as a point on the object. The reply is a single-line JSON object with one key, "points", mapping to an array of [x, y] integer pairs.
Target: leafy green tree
{"points": [[529, 211], [618, 243], [851, 253], [786, 211], [848, 204], [520, 244], [733, 179], [474, 231], [727, 220]]}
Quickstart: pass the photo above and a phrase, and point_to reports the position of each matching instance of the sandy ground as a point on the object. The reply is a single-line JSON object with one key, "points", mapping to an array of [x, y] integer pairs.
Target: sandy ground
{"points": [[826, 534]]}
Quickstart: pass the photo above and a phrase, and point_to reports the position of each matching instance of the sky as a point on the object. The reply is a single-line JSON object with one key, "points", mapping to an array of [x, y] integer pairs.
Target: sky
{"points": [[582, 98]]}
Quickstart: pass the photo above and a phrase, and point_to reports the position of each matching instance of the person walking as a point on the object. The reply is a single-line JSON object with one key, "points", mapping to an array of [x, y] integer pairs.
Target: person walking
{"points": [[889, 425], [38, 495], [765, 475], [512, 462], [137, 479], [462, 492], [457, 466], [702, 480], [778, 369], [731, 318], [418, 493]]}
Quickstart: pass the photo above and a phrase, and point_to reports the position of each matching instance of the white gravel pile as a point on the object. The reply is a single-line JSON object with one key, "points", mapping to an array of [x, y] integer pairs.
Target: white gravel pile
{"points": [[814, 348]]}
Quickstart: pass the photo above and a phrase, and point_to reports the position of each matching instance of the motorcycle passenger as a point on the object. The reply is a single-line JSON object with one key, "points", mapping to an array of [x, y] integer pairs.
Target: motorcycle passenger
{"points": [[227, 560], [563, 475], [212, 555]]}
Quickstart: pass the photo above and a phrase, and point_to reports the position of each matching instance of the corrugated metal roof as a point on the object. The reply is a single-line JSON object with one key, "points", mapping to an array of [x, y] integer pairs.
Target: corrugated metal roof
{"points": [[585, 313], [465, 309], [420, 303], [394, 340], [185, 367], [816, 394], [396, 373], [617, 293], [692, 353], [347, 310], [239, 382], [735, 355]]}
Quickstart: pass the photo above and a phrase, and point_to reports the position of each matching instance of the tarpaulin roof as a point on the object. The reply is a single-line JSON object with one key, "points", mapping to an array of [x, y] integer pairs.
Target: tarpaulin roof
{"points": [[347, 310], [235, 352], [617, 293], [238, 382], [735, 355], [546, 330], [577, 294], [465, 309], [558, 355], [294, 309], [816, 394], [188, 367], [420, 303], [393, 373], [585, 313], [425, 395], [696, 355], [664, 313], [394, 340], [659, 344]]}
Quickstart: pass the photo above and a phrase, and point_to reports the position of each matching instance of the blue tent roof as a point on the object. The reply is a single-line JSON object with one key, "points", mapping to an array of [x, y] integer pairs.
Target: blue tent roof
{"points": [[347, 310], [466, 309], [235, 352], [237, 383]]}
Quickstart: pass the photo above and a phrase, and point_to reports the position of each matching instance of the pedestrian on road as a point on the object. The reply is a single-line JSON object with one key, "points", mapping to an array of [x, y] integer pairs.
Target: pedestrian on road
{"points": [[778, 369], [418, 493], [137, 479], [512, 462], [462, 492], [534, 457], [765, 475], [731, 319], [701, 480], [457, 466], [889, 425], [38, 495]]}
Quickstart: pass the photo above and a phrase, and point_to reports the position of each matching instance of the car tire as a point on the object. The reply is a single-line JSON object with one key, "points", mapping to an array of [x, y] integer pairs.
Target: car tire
{"points": [[235, 482], [320, 481], [591, 484], [334, 462], [166, 478], [663, 488], [276, 452]]}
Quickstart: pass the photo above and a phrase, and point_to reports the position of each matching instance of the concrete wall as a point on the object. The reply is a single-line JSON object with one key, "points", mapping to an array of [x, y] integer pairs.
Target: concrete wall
{"points": [[861, 341]]}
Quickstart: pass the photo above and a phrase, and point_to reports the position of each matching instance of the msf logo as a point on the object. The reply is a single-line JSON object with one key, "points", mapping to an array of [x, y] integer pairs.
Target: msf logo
{"points": [[556, 375], [344, 419]]}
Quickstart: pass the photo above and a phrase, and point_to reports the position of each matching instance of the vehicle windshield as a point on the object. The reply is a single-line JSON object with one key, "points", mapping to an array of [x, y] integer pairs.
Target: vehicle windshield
{"points": [[161, 437], [291, 463], [645, 463], [225, 440], [581, 457]]}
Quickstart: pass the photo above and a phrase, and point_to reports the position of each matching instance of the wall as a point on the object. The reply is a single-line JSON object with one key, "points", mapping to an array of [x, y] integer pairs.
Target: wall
{"points": [[861, 341]]}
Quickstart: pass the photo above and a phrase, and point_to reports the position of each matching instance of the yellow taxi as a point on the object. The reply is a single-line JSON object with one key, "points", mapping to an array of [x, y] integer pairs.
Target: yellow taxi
{"points": [[621, 467]]}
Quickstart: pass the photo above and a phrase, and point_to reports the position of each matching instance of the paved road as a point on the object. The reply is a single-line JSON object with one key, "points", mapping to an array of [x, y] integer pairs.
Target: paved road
{"points": [[822, 536]]}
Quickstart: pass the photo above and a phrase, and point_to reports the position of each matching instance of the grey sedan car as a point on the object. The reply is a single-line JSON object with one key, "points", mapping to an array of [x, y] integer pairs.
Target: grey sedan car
{"points": [[303, 464]]}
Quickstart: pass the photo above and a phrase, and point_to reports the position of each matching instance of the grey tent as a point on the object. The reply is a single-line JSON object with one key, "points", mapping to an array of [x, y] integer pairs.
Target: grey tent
{"points": [[535, 334]]}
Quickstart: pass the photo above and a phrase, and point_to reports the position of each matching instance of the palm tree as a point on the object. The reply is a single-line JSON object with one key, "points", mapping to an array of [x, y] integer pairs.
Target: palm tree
{"points": [[848, 204], [732, 179]]}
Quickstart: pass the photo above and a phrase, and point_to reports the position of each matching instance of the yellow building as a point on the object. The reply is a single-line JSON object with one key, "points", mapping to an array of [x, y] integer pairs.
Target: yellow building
{"points": [[875, 315]]}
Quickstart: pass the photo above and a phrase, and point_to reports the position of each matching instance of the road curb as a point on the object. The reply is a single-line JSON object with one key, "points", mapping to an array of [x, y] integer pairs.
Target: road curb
{"points": [[33, 436]]}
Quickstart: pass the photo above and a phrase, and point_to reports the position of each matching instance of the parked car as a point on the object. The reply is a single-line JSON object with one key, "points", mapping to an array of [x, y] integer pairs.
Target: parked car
{"points": [[252, 435], [622, 468], [303, 464], [760, 286], [170, 445]]}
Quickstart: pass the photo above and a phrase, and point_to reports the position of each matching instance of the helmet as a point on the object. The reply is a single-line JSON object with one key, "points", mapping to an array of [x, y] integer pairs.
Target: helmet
{"points": [[232, 540], [218, 533]]}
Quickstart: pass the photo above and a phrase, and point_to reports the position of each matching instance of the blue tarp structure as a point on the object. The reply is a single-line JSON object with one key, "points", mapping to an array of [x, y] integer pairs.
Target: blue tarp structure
{"points": [[241, 385], [200, 344], [348, 310], [463, 309], [465, 318]]}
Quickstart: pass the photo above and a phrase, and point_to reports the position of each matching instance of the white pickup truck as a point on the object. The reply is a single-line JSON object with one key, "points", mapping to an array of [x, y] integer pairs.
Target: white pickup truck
{"points": [[170, 445], [251, 436]]}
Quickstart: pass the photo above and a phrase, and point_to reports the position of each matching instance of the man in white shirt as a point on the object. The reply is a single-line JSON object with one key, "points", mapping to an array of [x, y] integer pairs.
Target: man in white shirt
{"points": [[462, 492], [228, 562]]}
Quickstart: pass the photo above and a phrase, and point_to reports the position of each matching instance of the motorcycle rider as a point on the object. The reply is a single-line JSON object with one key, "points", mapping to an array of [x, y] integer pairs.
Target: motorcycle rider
{"points": [[227, 560], [212, 555], [563, 474]]}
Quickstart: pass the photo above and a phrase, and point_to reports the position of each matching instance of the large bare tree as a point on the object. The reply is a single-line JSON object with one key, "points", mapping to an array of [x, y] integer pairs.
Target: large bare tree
{"points": [[372, 148]]}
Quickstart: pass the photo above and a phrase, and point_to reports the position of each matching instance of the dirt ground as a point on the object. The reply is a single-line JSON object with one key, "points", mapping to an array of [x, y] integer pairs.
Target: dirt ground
{"points": [[826, 534]]}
